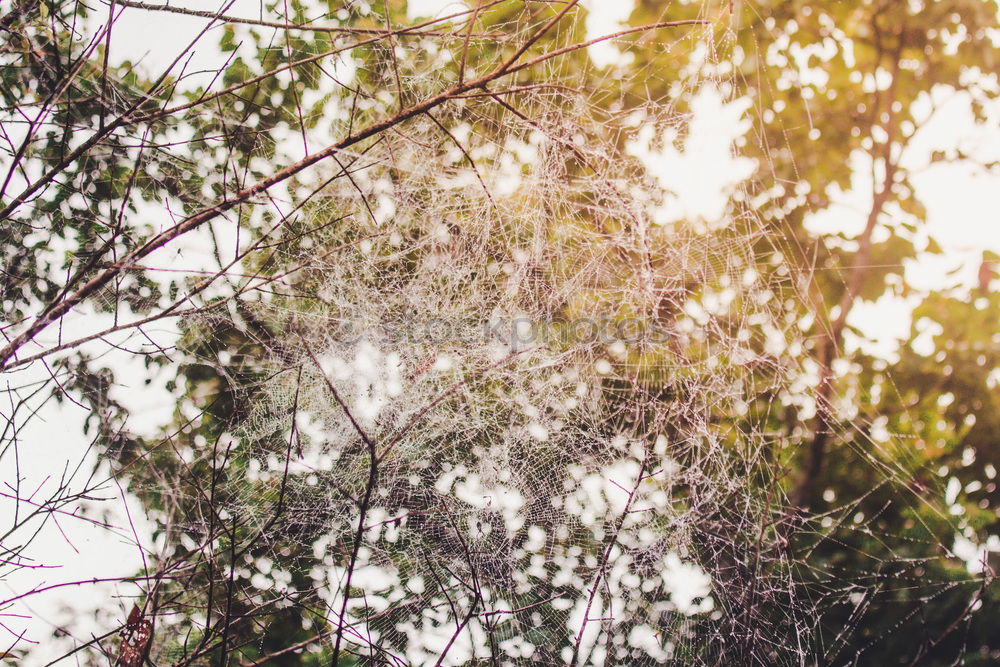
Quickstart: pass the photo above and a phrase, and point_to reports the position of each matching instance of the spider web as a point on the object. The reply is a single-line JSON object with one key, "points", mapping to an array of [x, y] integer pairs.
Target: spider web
{"points": [[551, 385], [493, 404]]}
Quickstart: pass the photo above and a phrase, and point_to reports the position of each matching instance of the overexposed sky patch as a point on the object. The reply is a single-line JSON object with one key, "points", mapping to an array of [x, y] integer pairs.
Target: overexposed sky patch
{"points": [[699, 170], [431, 9], [603, 18]]}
